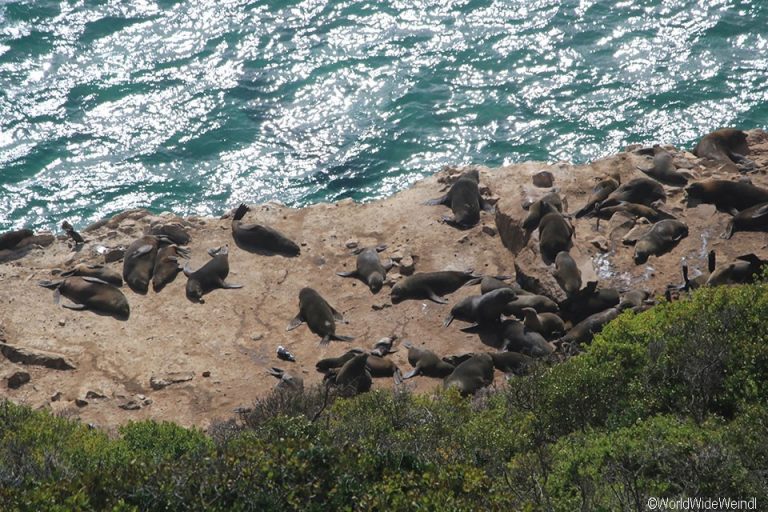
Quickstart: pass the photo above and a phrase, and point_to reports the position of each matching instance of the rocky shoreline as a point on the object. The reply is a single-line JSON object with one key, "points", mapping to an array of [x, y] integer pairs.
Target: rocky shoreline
{"points": [[193, 363]]}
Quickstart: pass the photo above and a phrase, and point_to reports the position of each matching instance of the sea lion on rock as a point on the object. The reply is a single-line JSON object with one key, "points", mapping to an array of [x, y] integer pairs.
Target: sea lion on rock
{"points": [[482, 309], [319, 316], [174, 231], [584, 331], [426, 363], [638, 210], [639, 190], [369, 268], [98, 271], [167, 265], [636, 300], [288, 381], [431, 285], [382, 367], [742, 271], [518, 338], [724, 145], [539, 303], [71, 233], [489, 283], [555, 234], [260, 239], [588, 301], [210, 276], [472, 375], [664, 170], [567, 273], [329, 363], [90, 293], [727, 196], [384, 346], [662, 238], [512, 362], [11, 239], [754, 218], [601, 191], [353, 375], [464, 200], [548, 325], [139, 262], [547, 204]]}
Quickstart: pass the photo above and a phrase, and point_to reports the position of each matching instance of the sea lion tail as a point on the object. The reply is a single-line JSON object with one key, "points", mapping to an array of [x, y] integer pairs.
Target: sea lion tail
{"points": [[51, 285], [240, 212], [398, 376]]}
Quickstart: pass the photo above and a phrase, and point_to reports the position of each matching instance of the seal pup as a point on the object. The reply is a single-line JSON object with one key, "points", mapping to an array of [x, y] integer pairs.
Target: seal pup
{"points": [[380, 367], [167, 265], [555, 234], [512, 362], [662, 238], [599, 193], [330, 363], [319, 316], [472, 375], [664, 170], [210, 276], [71, 233], [353, 375], [174, 231], [567, 273], [98, 271], [92, 294], [482, 309], [465, 201], [431, 285], [11, 239], [741, 271], [384, 346], [644, 191], [548, 325], [426, 363], [754, 218], [139, 262], [588, 301], [369, 269], [724, 145], [287, 381], [260, 239], [516, 337], [727, 196]]}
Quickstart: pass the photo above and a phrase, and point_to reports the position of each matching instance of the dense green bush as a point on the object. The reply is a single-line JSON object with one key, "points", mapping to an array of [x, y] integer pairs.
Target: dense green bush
{"points": [[670, 402]]}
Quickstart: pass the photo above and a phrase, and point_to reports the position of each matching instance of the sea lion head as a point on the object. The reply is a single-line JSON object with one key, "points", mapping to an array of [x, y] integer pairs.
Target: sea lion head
{"points": [[375, 282], [694, 194], [194, 291], [397, 294], [643, 250]]}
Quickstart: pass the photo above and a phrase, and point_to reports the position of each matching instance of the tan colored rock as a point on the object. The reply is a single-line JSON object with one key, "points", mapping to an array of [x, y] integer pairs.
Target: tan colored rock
{"points": [[170, 378]]}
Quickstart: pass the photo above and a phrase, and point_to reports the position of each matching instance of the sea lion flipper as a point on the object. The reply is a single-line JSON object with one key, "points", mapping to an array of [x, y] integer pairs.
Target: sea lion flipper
{"points": [[338, 337], [187, 270], [326, 339], [230, 286], [381, 247], [57, 297], [347, 274], [398, 376], [448, 321], [413, 373], [76, 307], [295, 322], [144, 249], [387, 264], [336, 315], [473, 281], [94, 280], [436, 298], [728, 233], [437, 201], [486, 206]]}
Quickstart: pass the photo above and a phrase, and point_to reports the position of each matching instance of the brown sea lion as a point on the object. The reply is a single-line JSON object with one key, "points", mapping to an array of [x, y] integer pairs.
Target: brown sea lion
{"points": [[638, 210], [139, 262], [567, 273], [431, 285], [465, 201], [319, 316], [92, 294], [472, 375], [482, 309], [664, 170], [727, 196], [98, 271], [167, 265], [601, 191], [512, 362], [754, 218], [548, 325], [260, 239], [724, 145], [639, 190], [518, 338], [745, 269], [426, 363], [11, 239], [369, 268], [210, 276], [662, 238], [539, 303], [584, 331], [353, 375], [174, 231], [588, 301], [330, 363], [489, 283], [555, 234], [547, 204], [381, 367]]}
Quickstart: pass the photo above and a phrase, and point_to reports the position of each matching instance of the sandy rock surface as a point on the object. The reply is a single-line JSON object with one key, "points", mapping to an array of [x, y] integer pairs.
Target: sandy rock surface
{"points": [[226, 345]]}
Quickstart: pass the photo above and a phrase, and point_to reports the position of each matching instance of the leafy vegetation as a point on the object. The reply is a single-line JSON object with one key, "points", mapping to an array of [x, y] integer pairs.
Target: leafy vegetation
{"points": [[670, 402]]}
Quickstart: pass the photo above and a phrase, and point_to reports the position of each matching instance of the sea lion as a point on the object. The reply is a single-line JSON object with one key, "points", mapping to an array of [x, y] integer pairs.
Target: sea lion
{"points": [[636, 300], [11, 239], [548, 204], [90, 293], [567, 273], [724, 145], [701, 279], [288, 381], [354, 375], [210, 276], [511, 362], [539, 303], [384, 346], [518, 338], [727, 196], [167, 265], [482, 309], [662, 238], [644, 191], [548, 325], [554, 236], [431, 285], [381, 367], [584, 331], [464, 200], [139, 262], [742, 271], [369, 268], [260, 239], [426, 363], [329, 363], [319, 316], [664, 170], [98, 271], [174, 231], [588, 301], [489, 283], [71, 233], [601, 191], [472, 375], [754, 218], [638, 210]]}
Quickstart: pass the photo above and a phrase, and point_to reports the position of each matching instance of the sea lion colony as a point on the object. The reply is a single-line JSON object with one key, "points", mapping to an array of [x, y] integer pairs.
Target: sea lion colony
{"points": [[516, 318]]}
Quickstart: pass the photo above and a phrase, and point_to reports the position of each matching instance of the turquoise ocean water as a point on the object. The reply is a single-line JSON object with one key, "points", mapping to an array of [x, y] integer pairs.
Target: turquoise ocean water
{"points": [[195, 106]]}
